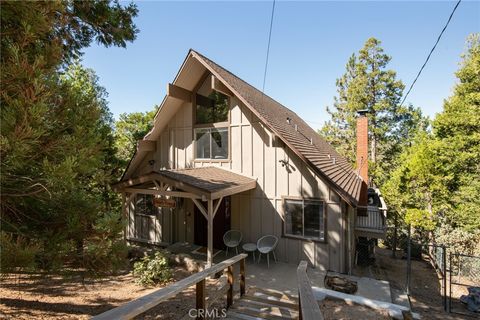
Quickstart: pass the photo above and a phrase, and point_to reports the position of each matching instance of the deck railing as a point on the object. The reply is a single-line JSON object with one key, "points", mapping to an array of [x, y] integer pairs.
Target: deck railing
{"points": [[375, 220], [307, 304], [145, 303]]}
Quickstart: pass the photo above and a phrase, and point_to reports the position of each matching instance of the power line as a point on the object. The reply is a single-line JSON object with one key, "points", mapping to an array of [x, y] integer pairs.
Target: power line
{"points": [[431, 51], [268, 47]]}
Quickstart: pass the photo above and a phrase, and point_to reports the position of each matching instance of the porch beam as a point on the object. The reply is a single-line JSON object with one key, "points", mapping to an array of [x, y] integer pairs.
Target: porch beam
{"points": [[179, 93], [210, 234], [179, 194], [159, 185], [217, 85], [146, 145], [201, 208], [234, 190], [217, 205], [125, 214]]}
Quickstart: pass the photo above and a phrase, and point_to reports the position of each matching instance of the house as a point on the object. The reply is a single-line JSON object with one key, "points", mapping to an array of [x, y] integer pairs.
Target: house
{"points": [[222, 155]]}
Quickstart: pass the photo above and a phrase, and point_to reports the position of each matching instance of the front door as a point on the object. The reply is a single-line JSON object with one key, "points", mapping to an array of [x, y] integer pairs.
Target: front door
{"points": [[221, 224]]}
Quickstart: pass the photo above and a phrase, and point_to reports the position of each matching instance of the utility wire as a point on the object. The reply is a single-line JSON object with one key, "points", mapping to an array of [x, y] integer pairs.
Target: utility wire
{"points": [[268, 47], [431, 51]]}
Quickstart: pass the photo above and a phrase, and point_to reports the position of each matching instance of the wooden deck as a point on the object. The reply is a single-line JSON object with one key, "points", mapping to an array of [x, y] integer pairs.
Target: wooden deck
{"points": [[257, 303], [264, 304]]}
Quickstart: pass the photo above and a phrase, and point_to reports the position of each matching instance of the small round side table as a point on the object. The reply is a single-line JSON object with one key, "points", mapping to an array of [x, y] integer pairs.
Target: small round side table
{"points": [[250, 247]]}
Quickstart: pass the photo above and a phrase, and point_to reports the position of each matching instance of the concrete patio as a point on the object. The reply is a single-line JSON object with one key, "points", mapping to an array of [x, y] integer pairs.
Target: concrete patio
{"points": [[282, 276]]}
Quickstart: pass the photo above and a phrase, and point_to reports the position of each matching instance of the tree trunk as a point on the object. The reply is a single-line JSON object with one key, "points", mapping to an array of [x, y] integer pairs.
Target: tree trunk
{"points": [[395, 228], [373, 151], [431, 235], [79, 251]]}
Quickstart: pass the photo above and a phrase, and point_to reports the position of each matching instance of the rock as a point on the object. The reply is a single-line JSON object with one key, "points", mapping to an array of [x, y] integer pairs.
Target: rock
{"points": [[341, 284], [186, 261], [407, 315], [136, 253]]}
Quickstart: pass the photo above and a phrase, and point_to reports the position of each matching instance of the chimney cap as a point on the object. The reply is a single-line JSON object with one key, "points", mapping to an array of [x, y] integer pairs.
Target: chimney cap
{"points": [[362, 112]]}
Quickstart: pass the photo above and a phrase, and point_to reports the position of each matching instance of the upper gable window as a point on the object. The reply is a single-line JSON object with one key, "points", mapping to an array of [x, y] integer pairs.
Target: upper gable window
{"points": [[211, 109]]}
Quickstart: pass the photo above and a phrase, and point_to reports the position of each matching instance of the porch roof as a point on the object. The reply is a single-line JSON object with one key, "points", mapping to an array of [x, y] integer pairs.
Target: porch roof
{"points": [[206, 183]]}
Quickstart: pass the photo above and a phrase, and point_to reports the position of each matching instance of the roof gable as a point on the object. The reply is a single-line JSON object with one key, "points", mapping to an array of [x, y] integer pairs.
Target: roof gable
{"points": [[296, 133], [305, 142]]}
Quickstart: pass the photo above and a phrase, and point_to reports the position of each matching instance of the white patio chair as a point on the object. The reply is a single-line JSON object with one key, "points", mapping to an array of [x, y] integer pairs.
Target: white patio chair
{"points": [[232, 239], [265, 245]]}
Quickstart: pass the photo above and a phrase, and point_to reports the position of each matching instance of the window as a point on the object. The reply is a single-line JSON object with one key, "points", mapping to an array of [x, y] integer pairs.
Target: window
{"points": [[304, 219], [211, 109], [144, 204], [211, 143], [211, 124]]}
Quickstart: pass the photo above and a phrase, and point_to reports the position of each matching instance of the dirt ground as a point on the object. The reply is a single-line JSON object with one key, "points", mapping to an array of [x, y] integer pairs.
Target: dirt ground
{"points": [[426, 297], [54, 297]]}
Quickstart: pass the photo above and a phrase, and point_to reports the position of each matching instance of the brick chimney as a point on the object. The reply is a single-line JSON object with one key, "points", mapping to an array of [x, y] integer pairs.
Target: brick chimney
{"points": [[362, 155], [362, 145]]}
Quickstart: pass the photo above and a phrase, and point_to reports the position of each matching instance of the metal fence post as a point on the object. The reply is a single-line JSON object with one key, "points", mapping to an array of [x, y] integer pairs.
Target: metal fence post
{"points": [[444, 271], [409, 259], [450, 285]]}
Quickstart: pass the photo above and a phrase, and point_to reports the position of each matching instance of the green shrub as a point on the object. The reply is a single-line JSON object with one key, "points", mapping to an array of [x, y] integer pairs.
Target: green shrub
{"points": [[152, 270], [105, 251], [17, 253]]}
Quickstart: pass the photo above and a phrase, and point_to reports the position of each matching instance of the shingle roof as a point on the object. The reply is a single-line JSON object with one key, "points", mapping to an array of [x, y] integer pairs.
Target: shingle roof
{"points": [[298, 135], [208, 179], [210, 182]]}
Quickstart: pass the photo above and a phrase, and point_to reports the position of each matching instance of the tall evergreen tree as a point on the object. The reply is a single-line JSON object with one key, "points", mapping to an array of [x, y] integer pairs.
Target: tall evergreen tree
{"points": [[368, 85], [130, 128], [436, 185], [56, 141]]}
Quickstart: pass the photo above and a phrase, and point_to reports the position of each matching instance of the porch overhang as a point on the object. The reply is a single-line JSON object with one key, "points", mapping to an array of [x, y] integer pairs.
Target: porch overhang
{"points": [[209, 184], [206, 183]]}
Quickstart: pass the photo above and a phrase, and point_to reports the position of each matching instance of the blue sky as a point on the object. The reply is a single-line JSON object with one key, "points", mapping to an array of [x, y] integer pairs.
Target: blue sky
{"points": [[311, 42]]}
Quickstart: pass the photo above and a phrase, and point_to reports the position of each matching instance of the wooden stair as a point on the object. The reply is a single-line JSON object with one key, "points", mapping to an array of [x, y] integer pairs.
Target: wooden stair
{"points": [[264, 304]]}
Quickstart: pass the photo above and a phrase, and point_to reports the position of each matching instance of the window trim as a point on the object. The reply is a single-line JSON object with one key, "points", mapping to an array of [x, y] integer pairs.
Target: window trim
{"points": [[303, 238], [227, 159]]}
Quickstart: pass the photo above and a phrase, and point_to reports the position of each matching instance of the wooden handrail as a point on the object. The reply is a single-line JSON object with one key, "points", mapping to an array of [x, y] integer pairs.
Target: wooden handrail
{"points": [[307, 304], [143, 304]]}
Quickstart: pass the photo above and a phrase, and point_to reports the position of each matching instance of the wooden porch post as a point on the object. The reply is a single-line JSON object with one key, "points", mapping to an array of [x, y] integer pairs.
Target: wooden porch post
{"points": [[210, 234], [125, 215]]}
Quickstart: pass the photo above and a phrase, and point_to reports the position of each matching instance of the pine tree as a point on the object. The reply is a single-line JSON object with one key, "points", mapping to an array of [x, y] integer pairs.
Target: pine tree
{"points": [[130, 128], [457, 130], [56, 141], [368, 85], [436, 185]]}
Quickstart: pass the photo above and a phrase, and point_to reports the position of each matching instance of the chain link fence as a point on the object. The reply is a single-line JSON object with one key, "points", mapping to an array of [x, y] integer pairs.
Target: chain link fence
{"points": [[464, 273], [438, 258]]}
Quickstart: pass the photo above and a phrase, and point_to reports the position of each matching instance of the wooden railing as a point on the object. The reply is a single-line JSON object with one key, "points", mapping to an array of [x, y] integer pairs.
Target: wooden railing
{"points": [[143, 304], [374, 220], [307, 304]]}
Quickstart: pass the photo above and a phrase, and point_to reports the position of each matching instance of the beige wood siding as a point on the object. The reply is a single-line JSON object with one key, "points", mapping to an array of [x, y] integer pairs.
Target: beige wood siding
{"points": [[255, 152]]}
